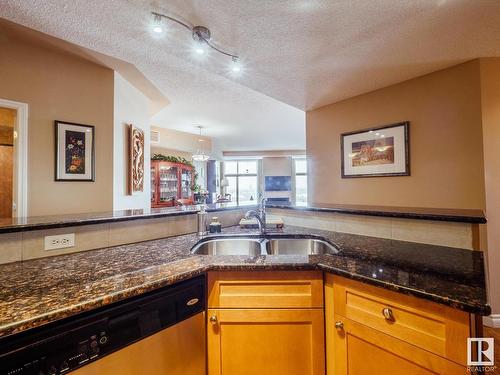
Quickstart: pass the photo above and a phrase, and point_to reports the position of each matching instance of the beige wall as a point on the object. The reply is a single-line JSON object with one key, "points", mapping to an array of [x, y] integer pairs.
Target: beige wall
{"points": [[170, 152], [444, 110], [180, 141], [59, 86], [130, 107], [490, 100]]}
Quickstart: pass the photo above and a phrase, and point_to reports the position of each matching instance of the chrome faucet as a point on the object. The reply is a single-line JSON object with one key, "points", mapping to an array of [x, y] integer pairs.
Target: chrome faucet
{"points": [[260, 215]]}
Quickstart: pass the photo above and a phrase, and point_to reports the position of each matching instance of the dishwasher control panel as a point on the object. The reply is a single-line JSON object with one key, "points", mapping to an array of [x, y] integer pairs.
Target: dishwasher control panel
{"points": [[65, 346], [59, 358]]}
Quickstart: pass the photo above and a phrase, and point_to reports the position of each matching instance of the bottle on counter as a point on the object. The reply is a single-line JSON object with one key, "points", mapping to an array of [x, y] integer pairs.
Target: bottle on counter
{"points": [[202, 221], [215, 226]]}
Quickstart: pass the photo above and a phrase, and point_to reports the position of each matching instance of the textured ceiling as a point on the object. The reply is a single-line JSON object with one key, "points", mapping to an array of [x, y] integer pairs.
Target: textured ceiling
{"points": [[304, 53]]}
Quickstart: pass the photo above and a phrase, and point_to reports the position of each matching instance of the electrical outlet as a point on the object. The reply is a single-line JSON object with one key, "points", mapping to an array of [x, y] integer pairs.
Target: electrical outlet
{"points": [[59, 241]]}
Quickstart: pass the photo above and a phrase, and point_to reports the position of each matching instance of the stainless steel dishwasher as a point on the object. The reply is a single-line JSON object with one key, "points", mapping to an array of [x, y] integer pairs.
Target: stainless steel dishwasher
{"points": [[162, 332]]}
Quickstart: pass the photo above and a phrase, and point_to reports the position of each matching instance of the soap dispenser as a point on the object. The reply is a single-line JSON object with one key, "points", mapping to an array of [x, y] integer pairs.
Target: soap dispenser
{"points": [[202, 221]]}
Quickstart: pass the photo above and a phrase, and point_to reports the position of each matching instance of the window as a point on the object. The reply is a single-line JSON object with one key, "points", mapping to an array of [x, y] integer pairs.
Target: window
{"points": [[243, 180], [300, 166]]}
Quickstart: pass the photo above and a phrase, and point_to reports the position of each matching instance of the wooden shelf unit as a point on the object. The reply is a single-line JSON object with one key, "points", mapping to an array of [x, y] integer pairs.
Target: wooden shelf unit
{"points": [[171, 184]]}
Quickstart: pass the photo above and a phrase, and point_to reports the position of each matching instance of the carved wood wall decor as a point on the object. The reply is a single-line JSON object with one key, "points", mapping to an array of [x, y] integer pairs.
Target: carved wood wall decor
{"points": [[136, 160]]}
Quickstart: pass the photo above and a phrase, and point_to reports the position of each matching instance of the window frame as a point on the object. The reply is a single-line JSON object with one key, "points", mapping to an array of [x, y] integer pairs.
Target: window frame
{"points": [[295, 174], [238, 174]]}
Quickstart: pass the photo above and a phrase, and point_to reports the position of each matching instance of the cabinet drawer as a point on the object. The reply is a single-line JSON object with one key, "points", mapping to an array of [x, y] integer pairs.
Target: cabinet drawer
{"points": [[430, 326], [267, 289], [363, 350]]}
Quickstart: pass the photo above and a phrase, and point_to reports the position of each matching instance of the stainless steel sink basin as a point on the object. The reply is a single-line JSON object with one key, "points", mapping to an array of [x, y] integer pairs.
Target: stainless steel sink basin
{"points": [[229, 246], [299, 246]]}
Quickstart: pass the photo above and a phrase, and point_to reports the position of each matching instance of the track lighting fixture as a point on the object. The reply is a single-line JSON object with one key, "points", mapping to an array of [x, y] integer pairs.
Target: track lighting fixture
{"points": [[202, 37]]}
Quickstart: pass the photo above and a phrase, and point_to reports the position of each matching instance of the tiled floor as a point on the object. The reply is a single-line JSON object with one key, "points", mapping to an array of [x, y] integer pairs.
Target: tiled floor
{"points": [[495, 333]]}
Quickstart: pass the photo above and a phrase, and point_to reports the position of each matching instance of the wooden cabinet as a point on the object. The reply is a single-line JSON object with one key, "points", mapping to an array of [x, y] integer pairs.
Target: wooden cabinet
{"points": [[376, 331], [171, 183], [360, 350], [265, 341], [265, 323]]}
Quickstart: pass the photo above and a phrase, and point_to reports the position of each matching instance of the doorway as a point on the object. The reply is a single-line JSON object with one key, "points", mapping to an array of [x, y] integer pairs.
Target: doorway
{"points": [[8, 120], [13, 159]]}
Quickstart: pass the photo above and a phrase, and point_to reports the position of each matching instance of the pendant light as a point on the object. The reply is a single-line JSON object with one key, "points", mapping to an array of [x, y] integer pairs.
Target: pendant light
{"points": [[200, 154]]}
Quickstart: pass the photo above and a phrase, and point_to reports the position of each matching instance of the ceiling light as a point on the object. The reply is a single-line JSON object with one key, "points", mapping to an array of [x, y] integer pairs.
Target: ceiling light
{"points": [[157, 24], [236, 66], [199, 154], [201, 35], [199, 48]]}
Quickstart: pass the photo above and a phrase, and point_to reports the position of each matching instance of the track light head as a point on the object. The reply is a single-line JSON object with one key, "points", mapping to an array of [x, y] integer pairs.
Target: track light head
{"points": [[157, 27]]}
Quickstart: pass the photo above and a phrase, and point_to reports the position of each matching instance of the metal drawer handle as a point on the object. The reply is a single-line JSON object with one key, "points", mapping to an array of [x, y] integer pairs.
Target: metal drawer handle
{"points": [[388, 315], [213, 319], [192, 302], [339, 326]]}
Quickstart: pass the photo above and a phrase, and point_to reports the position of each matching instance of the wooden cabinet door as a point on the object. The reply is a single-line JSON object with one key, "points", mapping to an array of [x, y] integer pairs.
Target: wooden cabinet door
{"points": [[360, 350], [154, 183], [265, 341], [186, 180], [168, 183]]}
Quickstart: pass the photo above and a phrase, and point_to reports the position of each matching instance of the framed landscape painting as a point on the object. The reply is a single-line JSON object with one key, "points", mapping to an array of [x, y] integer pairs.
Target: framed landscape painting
{"points": [[74, 152], [376, 152]]}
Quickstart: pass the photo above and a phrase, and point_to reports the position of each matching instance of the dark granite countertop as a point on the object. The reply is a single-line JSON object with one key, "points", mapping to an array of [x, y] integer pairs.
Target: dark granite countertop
{"points": [[418, 213], [23, 224], [44, 290]]}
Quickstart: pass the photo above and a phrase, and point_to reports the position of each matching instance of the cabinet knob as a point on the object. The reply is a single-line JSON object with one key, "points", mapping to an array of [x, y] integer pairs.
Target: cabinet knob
{"points": [[213, 319], [339, 325], [388, 315]]}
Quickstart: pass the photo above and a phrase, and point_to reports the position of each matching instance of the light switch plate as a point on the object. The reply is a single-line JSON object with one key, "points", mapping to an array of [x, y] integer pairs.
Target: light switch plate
{"points": [[60, 241]]}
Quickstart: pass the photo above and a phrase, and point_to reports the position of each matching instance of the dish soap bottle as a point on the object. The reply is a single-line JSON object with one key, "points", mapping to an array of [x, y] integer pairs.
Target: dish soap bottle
{"points": [[215, 226]]}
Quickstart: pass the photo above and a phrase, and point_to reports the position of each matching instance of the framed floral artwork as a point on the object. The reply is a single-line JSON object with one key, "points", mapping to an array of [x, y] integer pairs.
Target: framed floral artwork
{"points": [[75, 154]]}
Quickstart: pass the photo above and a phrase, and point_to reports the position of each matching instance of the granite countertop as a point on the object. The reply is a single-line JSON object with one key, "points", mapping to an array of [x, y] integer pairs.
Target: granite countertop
{"points": [[44, 290], [23, 224], [418, 213]]}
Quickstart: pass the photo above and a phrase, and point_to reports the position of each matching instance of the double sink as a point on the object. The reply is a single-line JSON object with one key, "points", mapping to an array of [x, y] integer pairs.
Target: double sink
{"points": [[264, 246]]}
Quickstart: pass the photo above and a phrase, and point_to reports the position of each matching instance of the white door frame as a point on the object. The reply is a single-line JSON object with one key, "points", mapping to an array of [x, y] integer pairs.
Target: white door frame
{"points": [[21, 156]]}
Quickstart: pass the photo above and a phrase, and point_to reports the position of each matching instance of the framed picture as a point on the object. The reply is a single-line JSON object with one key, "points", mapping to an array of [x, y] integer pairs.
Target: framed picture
{"points": [[136, 160], [75, 153], [376, 152]]}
